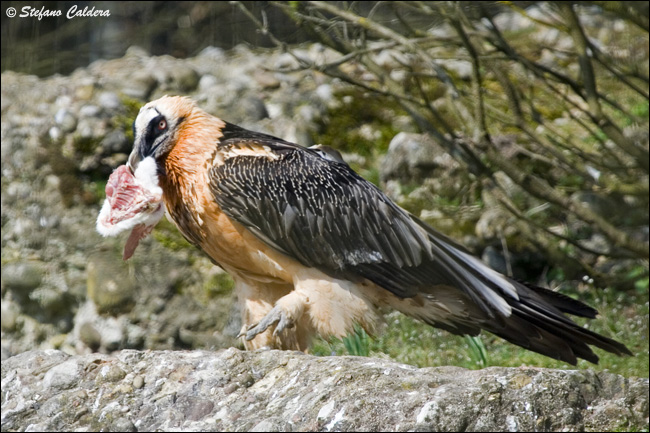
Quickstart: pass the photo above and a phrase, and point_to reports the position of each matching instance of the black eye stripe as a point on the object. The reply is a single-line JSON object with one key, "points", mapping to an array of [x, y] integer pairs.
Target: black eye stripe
{"points": [[152, 128], [151, 134]]}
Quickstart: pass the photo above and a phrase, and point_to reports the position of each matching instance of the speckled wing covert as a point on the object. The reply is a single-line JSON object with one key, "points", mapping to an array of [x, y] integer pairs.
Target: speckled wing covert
{"points": [[320, 212], [317, 210]]}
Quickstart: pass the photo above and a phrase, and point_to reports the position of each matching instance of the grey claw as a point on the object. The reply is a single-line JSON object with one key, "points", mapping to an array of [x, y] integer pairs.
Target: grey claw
{"points": [[284, 323], [276, 315]]}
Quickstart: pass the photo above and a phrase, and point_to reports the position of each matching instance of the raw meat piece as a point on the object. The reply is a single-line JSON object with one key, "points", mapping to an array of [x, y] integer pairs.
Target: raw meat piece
{"points": [[133, 202]]}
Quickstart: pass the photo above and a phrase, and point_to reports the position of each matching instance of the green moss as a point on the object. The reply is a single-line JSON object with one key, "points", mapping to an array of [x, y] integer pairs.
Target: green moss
{"points": [[639, 276], [361, 123], [125, 121], [407, 386], [85, 145], [371, 174], [94, 192], [169, 236], [218, 285], [70, 185], [641, 109]]}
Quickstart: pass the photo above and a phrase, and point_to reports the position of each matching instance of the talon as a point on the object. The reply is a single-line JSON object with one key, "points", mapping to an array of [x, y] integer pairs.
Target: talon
{"points": [[284, 323], [242, 332], [276, 315]]}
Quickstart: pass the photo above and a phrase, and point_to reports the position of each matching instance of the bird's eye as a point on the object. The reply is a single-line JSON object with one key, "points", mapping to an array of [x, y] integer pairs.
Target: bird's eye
{"points": [[162, 125]]}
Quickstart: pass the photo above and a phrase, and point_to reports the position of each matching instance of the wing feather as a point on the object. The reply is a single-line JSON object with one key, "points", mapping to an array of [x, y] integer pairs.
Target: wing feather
{"points": [[323, 214]]}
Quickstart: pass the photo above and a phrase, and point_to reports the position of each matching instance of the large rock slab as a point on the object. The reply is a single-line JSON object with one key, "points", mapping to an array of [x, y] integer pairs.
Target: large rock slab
{"points": [[232, 390]]}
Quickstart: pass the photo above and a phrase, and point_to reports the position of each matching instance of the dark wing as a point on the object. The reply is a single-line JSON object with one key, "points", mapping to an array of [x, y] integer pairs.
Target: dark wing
{"points": [[320, 212]]}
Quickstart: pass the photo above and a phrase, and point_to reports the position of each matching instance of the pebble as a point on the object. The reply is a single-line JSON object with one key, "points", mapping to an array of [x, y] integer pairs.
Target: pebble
{"points": [[138, 382], [66, 120], [22, 276], [109, 101], [62, 376]]}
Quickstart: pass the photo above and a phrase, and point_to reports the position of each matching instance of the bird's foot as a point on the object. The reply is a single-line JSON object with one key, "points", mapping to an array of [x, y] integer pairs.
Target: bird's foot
{"points": [[276, 315]]}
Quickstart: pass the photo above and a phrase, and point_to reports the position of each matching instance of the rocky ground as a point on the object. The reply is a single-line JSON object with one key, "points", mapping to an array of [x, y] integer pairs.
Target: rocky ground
{"points": [[230, 390]]}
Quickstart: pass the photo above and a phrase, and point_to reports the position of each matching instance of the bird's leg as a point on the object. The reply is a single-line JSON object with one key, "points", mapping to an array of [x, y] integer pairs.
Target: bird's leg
{"points": [[276, 315], [283, 315]]}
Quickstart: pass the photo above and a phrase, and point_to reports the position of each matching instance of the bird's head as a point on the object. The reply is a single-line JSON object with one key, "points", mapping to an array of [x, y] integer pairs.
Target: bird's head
{"points": [[157, 126]]}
